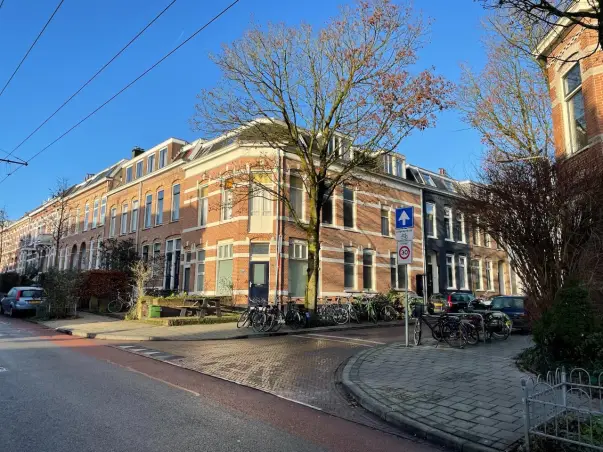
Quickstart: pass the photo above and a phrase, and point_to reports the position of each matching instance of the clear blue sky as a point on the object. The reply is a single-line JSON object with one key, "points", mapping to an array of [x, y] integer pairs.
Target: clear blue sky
{"points": [[84, 35]]}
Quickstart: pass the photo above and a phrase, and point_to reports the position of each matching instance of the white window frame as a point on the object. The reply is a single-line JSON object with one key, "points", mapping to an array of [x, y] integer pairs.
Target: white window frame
{"points": [[462, 225], [450, 228], [385, 209], [103, 211], [393, 259], [92, 256], [388, 164], [487, 240], [298, 252], [226, 204], [489, 277], [159, 208], [480, 285], [203, 205], [76, 227], [139, 169], [86, 216], [175, 214], [112, 221], [434, 223], [225, 251], [428, 179], [163, 158], [134, 216], [453, 285], [150, 163], [198, 264], [570, 132], [354, 269], [95, 213], [463, 268], [373, 258], [148, 211], [129, 174], [300, 192], [123, 229]]}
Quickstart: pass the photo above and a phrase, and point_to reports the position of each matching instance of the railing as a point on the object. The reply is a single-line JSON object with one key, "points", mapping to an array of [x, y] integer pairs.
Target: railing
{"points": [[565, 409]]}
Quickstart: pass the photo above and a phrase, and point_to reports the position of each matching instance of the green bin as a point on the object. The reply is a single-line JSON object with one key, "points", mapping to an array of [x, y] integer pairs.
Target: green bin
{"points": [[154, 312]]}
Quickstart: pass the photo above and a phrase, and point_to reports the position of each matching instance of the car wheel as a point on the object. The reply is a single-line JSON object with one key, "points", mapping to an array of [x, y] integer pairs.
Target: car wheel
{"points": [[11, 311]]}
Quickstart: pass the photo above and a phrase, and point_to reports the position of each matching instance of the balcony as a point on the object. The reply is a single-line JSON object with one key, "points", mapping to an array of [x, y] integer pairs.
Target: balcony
{"points": [[33, 243]]}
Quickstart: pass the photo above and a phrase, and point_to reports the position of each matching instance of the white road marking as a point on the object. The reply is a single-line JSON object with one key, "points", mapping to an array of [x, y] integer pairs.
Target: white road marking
{"points": [[347, 338], [137, 349], [305, 336], [126, 346], [152, 352], [298, 402]]}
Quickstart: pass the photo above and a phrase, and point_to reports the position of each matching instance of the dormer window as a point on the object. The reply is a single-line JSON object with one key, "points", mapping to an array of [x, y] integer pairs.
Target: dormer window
{"points": [[163, 157], [129, 174]]}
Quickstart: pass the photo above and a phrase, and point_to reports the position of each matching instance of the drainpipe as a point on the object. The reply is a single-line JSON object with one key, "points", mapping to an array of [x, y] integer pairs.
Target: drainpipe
{"points": [[278, 226], [423, 238], [139, 210]]}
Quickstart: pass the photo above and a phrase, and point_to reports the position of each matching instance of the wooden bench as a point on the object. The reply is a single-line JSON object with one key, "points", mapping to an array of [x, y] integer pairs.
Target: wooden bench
{"points": [[200, 307]]}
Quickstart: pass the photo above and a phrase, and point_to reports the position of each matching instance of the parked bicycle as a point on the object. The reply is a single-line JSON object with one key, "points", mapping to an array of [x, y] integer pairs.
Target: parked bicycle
{"points": [[446, 328], [120, 303]]}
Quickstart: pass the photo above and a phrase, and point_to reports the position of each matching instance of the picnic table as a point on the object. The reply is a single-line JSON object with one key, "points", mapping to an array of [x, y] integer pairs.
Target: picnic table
{"points": [[200, 307]]}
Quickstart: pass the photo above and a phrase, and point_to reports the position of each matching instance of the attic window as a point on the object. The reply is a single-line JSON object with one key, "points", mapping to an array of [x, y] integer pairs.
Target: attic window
{"points": [[450, 186], [428, 180]]}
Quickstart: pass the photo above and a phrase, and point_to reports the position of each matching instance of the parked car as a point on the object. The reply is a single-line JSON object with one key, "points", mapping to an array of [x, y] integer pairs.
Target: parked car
{"points": [[435, 304], [21, 300], [458, 301], [513, 306]]}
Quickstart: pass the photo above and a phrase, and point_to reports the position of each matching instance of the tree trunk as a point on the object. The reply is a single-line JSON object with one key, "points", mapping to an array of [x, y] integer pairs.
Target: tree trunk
{"points": [[313, 236]]}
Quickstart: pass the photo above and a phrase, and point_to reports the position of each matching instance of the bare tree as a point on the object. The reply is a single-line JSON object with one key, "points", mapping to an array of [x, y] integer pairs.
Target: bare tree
{"points": [[548, 217], [335, 100], [508, 101], [56, 222], [585, 13]]}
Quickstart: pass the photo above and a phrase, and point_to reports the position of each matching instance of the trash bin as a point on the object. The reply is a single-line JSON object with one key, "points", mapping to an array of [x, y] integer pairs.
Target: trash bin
{"points": [[154, 312]]}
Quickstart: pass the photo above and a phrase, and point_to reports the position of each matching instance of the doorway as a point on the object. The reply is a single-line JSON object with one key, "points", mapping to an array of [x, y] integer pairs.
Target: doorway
{"points": [[258, 280], [186, 279]]}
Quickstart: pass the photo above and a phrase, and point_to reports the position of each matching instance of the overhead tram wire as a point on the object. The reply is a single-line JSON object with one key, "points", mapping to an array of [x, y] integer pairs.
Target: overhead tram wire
{"points": [[161, 60], [31, 46], [93, 77]]}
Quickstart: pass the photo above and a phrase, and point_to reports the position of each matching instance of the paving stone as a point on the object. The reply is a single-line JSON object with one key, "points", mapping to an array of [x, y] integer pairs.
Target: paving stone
{"points": [[483, 412], [504, 418], [485, 421], [444, 410], [462, 407], [463, 415], [462, 424]]}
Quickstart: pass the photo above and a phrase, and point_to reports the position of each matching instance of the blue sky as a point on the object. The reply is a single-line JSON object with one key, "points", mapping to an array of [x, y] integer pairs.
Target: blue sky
{"points": [[84, 35]]}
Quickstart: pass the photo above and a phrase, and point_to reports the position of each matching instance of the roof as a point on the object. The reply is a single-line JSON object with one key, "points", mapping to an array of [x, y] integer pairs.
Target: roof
{"points": [[432, 181]]}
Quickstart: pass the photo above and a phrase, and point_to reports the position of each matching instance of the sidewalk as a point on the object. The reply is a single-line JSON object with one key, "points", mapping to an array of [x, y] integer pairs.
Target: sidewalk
{"points": [[467, 399], [101, 327]]}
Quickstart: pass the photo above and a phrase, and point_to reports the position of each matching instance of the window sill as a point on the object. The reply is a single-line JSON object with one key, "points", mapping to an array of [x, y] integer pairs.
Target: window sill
{"points": [[432, 236], [449, 240], [175, 221]]}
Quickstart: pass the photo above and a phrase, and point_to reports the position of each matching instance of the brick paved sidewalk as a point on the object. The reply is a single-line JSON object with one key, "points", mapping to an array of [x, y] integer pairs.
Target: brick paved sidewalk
{"points": [[469, 399], [107, 328]]}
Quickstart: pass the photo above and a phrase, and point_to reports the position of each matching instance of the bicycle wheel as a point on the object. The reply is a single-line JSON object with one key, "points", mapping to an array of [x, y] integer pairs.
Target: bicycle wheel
{"points": [[389, 313], [454, 334], [258, 322], [341, 316], [417, 332], [115, 306], [353, 314], [503, 330], [472, 333], [243, 319], [372, 315]]}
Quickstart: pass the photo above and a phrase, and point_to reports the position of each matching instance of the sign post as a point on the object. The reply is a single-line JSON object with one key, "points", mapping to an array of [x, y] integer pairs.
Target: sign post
{"points": [[405, 221]]}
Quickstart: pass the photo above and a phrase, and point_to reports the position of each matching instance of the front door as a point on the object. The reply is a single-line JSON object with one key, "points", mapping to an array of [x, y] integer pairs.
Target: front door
{"points": [[429, 278], [258, 280]]}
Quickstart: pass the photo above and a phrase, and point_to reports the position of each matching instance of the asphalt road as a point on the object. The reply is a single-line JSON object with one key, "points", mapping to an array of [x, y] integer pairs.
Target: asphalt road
{"points": [[59, 393]]}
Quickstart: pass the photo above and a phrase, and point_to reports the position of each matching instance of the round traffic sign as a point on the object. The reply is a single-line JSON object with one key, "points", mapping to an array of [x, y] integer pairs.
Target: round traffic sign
{"points": [[404, 252]]}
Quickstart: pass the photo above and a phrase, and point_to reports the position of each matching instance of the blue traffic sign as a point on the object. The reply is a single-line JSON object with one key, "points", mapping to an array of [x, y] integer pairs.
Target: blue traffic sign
{"points": [[405, 218]]}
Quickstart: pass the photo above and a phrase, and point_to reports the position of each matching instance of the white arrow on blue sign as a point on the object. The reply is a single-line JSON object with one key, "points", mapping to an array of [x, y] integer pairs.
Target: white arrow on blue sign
{"points": [[405, 218]]}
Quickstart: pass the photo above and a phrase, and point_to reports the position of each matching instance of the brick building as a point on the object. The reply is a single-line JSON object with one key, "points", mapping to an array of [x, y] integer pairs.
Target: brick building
{"points": [[575, 74]]}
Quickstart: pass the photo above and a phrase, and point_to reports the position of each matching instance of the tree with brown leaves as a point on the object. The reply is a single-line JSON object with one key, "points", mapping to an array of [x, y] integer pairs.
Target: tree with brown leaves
{"points": [[336, 100]]}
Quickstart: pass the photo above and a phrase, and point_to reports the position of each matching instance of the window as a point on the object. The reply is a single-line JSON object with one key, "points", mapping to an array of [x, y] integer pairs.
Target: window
{"points": [[113, 222], [139, 169], [224, 271], [163, 158], [459, 228], [260, 203], [98, 252], [430, 223], [151, 163], [95, 213], [128, 174], [448, 223], [574, 106], [176, 202], [148, 211], [124, 219], [76, 226], [388, 164], [203, 206], [450, 282], [172, 264], [145, 253], [86, 217], [103, 210], [296, 194], [226, 207], [399, 167], [92, 259], [349, 269], [298, 268], [489, 283], [348, 207], [398, 276], [487, 240], [462, 272], [384, 221], [476, 234], [134, 224], [428, 179], [327, 210], [450, 186], [476, 274], [156, 250], [367, 269], [159, 209], [200, 284]]}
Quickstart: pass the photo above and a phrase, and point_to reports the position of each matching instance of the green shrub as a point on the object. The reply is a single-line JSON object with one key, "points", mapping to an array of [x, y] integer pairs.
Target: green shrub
{"points": [[9, 280], [181, 321]]}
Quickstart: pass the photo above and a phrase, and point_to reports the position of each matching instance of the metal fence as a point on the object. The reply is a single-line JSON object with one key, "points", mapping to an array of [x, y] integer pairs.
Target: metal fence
{"points": [[566, 408], [55, 310]]}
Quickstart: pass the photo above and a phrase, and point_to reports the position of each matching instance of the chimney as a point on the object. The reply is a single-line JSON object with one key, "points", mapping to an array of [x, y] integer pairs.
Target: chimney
{"points": [[442, 172], [136, 151], [89, 176]]}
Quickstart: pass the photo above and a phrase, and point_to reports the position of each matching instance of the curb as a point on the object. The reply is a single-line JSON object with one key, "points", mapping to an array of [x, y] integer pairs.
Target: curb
{"points": [[402, 421], [112, 337]]}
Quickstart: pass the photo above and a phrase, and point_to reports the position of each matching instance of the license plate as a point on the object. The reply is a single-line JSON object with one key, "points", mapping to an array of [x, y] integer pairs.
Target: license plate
{"points": [[35, 301]]}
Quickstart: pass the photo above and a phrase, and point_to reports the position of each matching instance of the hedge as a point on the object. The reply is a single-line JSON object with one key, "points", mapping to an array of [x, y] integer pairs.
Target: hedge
{"points": [[182, 321]]}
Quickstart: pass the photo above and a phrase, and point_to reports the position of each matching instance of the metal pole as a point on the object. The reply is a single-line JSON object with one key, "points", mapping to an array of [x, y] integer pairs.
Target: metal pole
{"points": [[526, 414], [406, 308]]}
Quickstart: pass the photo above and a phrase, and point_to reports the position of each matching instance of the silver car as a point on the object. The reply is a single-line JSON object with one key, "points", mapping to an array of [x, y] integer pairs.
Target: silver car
{"points": [[21, 300]]}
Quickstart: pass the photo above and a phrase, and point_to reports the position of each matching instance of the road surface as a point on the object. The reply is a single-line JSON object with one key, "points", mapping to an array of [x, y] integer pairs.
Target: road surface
{"points": [[59, 393]]}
